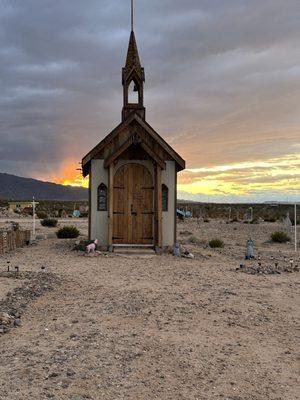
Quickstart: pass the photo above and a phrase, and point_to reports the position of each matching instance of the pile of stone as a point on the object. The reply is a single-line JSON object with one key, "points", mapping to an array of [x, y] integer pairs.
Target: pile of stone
{"points": [[259, 269], [13, 306], [3, 212]]}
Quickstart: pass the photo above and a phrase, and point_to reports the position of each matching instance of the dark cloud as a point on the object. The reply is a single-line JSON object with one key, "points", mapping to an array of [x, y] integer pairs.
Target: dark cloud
{"points": [[220, 78]]}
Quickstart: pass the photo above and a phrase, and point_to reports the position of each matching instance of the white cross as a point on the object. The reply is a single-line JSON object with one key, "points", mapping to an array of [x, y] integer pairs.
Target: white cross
{"points": [[34, 203]]}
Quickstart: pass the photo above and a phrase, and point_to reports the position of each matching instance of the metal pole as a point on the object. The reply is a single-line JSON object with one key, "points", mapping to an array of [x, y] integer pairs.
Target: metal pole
{"points": [[295, 223], [33, 216], [132, 15]]}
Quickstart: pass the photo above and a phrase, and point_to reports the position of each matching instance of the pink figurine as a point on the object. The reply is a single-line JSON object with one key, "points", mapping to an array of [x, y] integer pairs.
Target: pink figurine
{"points": [[92, 247]]}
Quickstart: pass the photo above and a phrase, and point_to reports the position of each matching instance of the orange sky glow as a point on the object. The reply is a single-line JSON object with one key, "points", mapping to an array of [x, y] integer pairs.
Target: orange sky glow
{"points": [[281, 175]]}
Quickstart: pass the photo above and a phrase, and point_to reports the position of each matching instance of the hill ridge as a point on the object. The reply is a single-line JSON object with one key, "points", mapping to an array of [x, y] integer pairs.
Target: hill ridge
{"points": [[13, 187]]}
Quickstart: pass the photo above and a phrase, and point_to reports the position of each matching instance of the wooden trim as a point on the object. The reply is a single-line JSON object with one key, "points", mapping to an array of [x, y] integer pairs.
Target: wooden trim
{"points": [[89, 156], [90, 202], [110, 204], [158, 207], [155, 157], [109, 160], [133, 116], [180, 161]]}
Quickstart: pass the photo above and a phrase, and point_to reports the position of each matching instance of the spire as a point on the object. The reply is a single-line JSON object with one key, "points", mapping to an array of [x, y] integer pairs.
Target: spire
{"points": [[133, 62], [133, 58], [133, 72]]}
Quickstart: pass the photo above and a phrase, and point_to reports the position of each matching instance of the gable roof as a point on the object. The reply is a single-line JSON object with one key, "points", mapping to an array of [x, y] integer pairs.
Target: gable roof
{"points": [[132, 117]]}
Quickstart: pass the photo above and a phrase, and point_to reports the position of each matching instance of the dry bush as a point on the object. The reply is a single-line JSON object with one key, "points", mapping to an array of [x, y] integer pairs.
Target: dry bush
{"points": [[49, 222], [216, 243], [68, 232], [41, 214], [280, 237]]}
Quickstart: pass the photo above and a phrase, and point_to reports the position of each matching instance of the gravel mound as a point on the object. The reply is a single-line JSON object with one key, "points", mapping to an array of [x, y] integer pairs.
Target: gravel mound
{"points": [[16, 302], [267, 269]]}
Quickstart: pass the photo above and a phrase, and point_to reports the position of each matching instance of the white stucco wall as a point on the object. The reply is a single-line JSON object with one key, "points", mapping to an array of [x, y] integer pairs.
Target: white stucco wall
{"points": [[99, 219], [168, 217]]}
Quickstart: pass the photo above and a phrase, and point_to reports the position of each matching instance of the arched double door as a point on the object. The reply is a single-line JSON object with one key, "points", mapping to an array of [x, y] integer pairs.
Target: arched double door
{"points": [[133, 205]]}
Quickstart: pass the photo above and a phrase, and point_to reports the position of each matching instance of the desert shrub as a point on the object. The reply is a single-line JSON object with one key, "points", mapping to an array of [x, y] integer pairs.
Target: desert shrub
{"points": [[41, 214], [270, 219], [280, 237], [68, 232], [216, 243], [206, 220], [194, 240], [50, 222]]}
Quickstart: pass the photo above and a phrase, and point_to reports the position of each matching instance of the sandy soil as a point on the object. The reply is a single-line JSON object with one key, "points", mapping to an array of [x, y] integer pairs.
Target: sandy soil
{"points": [[157, 327]]}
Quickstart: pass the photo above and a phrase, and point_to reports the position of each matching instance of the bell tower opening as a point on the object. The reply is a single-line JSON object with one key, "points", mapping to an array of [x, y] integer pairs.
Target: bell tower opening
{"points": [[133, 93]]}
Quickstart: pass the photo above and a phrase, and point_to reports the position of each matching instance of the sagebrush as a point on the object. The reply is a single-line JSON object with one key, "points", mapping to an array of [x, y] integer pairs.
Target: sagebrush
{"points": [[49, 222], [216, 243], [280, 237], [41, 214], [68, 232]]}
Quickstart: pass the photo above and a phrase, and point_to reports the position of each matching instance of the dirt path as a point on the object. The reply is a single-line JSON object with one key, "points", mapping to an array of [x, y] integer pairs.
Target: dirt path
{"points": [[152, 328]]}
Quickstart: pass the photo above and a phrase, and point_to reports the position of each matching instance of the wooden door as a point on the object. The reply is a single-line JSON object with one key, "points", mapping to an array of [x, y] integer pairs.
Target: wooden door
{"points": [[133, 205]]}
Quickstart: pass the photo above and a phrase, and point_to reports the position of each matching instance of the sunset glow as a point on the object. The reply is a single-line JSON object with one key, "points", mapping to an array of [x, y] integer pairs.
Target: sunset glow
{"points": [[279, 175], [69, 175]]}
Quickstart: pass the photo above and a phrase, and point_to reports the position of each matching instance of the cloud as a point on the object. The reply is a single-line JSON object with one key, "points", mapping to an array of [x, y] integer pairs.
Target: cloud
{"points": [[248, 180], [220, 79]]}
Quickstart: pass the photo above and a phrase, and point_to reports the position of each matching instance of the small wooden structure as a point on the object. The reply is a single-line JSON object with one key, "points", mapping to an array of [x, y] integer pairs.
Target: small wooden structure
{"points": [[133, 174], [11, 240]]}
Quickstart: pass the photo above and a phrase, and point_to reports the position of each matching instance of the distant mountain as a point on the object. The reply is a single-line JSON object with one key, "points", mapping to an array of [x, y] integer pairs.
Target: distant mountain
{"points": [[17, 188]]}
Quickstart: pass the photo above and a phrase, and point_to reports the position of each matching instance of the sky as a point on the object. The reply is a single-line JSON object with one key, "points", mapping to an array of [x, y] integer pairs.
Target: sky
{"points": [[222, 87]]}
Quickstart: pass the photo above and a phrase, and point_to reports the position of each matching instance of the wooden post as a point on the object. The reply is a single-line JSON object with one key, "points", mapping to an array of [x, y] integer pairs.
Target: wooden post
{"points": [[295, 225], [175, 208], [159, 206], [111, 206], [90, 203]]}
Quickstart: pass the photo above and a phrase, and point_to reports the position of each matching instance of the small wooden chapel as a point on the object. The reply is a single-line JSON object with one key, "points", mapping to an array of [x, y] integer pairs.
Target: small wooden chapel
{"points": [[133, 174]]}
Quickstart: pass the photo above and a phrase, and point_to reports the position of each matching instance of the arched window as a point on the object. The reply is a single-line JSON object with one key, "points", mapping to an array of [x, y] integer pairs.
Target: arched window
{"points": [[102, 197], [133, 93], [165, 197]]}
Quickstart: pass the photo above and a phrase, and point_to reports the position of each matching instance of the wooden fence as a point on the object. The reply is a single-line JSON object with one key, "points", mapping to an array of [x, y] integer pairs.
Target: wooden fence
{"points": [[11, 240]]}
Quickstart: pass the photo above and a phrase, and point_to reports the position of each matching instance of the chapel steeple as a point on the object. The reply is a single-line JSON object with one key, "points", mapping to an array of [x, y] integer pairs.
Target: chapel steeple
{"points": [[133, 78]]}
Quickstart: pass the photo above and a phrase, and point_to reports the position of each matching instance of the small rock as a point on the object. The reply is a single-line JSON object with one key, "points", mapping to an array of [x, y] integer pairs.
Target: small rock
{"points": [[5, 319], [53, 375], [17, 322]]}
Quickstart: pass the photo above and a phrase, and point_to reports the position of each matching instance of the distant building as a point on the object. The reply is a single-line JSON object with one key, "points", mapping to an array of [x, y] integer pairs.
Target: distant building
{"points": [[19, 206]]}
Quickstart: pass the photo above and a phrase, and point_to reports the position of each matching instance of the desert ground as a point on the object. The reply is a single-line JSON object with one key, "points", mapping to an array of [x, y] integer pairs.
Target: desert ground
{"points": [[142, 326]]}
